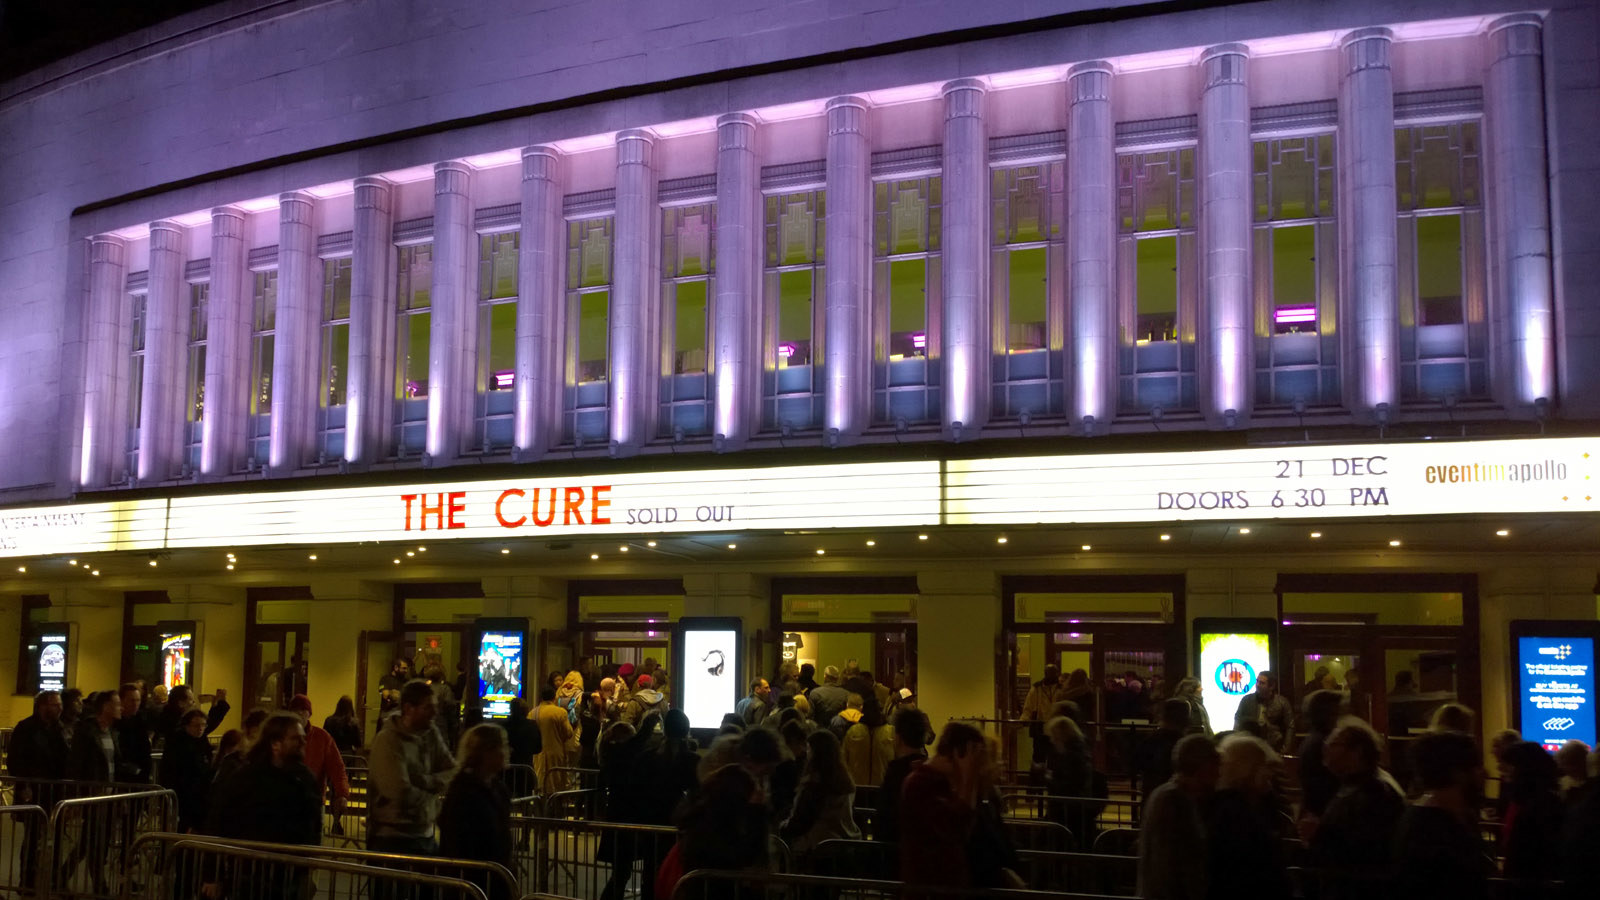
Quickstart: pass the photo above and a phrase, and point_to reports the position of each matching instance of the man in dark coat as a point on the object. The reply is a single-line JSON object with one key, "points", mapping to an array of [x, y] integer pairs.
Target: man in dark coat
{"points": [[274, 798], [133, 736], [38, 750], [96, 754]]}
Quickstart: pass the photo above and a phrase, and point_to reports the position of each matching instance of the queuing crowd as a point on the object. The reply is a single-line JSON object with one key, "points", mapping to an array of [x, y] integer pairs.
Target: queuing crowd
{"points": [[1217, 820]]}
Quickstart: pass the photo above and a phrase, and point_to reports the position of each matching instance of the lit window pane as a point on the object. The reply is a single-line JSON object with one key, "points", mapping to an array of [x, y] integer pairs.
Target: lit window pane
{"points": [[794, 318], [593, 350], [261, 376], [266, 301], [1439, 271], [1157, 289], [497, 265], [502, 346], [197, 382], [336, 364], [413, 335], [135, 390], [1294, 279], [908, 308], [689, 328], [335, 289], [1026, 309]]}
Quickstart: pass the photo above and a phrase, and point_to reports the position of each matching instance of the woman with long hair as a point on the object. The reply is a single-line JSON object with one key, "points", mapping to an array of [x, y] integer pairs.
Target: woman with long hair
{"points": [[475, 820], [343, 727], [824, 803]]}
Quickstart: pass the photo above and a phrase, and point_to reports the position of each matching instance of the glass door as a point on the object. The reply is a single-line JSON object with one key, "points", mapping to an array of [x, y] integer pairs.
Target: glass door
{"points": [[278, 662]]}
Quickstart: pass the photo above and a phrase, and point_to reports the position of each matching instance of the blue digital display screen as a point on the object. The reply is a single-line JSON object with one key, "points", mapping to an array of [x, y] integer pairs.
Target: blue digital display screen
{"points": [[1555, 687]]}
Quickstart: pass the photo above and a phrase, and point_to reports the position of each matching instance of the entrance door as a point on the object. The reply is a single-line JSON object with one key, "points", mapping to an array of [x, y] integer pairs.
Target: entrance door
{"points": [[277, 660], [376, 652]]}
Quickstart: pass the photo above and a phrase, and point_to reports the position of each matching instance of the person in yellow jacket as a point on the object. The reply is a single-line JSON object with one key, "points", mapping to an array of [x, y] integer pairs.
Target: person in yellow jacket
{"points": [[868, 744], [558, 739]]}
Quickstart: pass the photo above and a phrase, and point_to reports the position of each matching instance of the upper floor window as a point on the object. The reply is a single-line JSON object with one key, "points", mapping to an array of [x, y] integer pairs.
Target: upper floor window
{"points": [[588, 299], [1294, 194], [139, 304], [199, 299], [793, 244], [1027, 302], [1155, 200], [335, 332], [263, 331], [688, 257], [497, 310], [906, 228], [414, 308]]}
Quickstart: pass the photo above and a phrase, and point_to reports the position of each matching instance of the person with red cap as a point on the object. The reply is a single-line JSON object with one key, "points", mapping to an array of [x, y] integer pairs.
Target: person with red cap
{"points": [[323, 759], [625, 679]]}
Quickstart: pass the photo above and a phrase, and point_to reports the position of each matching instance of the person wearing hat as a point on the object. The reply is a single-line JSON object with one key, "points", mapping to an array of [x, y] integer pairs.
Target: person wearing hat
{"points": [[322, 758], [645, 699], [625, 679]]}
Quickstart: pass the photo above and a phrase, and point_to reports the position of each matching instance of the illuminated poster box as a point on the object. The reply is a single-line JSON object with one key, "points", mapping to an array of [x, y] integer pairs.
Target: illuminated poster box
{"points": [[708, 670], [1555, 681], [1232, 654], [502, 655]]}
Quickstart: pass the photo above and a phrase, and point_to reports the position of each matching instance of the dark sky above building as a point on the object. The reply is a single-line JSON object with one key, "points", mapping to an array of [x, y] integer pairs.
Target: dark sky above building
{"points": [[36, 32]]}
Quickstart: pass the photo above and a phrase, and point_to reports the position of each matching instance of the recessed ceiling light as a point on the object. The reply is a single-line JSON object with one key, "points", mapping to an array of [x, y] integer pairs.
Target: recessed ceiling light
{"points": [[821, 551], [1087, 547], [397, 562], [1244, 531], [1394, 543], [872, 543], [411, 553], [922, 537], [1316, 534], [95, 572], [422, 549], [1166, 537], [623, 548], [733, 546], [312, 556], [230, 568], [650, 544], [22, 568], [72, 562], [152, 563], [1001, 539], [594, 556], [505, 550], [1503, 533]]}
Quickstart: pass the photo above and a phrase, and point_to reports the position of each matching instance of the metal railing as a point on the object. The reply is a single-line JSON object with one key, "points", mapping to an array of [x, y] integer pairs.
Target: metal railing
{"points": [[587, 804], [150, 853], [199, 868], [1110, 875], [22, 832], [1034, 834], [46, 792], [706, 884], [570, 778], [91, 838]]}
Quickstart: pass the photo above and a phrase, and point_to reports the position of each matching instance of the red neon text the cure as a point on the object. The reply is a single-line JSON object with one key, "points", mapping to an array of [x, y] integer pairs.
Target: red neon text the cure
{"points": [[446, 509], [571, 501]]}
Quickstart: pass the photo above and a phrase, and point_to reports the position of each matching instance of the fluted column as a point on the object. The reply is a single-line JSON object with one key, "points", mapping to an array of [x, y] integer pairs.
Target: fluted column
{"points": [[104, 436], [369, 392], [161, 418], [635, 273], [296, 360], [1091, 247], [1519, 202], [966, 344], [847, 382], [1227, 337], [540, 304], [228, 319], [1367, 241], [452, 352], [737, 370]]}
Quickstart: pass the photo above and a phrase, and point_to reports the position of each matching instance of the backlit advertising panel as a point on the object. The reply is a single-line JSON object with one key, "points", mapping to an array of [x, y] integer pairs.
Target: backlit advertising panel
{"points": [[501, 653], [1555, 689], [177, 656], [1231, 661], [708, 675], [54, 644]]}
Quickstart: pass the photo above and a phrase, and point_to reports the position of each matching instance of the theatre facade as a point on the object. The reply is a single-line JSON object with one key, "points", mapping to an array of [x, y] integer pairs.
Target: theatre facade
{"points": [[1145, 342]]}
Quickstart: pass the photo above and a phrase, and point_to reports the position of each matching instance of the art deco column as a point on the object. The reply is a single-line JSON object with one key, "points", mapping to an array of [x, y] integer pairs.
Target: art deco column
{"points": [[1519, 203], [296, 359], [847, 382], [635, 272], [1091, 247], [104, 435], [1227, 335], [737, 391], [228, 319], [452, 352], [1367, 241], [161, 418], [541, 263], [369, 395], [966, 343]]}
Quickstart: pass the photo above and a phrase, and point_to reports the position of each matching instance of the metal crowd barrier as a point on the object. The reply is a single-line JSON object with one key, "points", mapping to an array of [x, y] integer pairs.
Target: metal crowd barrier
{"points": [[1034, 803], [587, 804], [22, 830], [707, 884], [90, 839], [150, 853], [349, 828], [48, 792], [522, 781], [1043, 871], [198, 868], [1033, 834], [570, 778]]}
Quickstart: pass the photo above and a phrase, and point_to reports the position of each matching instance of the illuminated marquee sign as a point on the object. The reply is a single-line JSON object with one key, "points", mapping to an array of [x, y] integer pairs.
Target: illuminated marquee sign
{"points": [[83, 528], [837, 496], [1306, 482]]}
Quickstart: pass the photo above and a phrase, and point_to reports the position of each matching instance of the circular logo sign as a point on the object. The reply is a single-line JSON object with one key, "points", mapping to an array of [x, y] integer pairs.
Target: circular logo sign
{"points": [[1235, 677]]}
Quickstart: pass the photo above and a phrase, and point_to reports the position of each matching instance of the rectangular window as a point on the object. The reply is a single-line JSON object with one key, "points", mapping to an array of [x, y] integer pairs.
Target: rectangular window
{"points": [[1156, 286], [1296, 270], [413, 307], [590, 340], [264, 314], [689, 328], [1439, 261], [795, 318], [793, 244], [199, 297], [688, 264], [497, 310], [335, 332], [136, 362], [500, 345], [1294, 280], [906, 282], [908, 308]]}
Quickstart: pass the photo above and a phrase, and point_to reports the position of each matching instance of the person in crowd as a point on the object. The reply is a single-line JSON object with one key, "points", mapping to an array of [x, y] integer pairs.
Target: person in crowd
{"points": [[323, 759], [608, 693], [186, 770], [788, 681], [1246, 857], [463, 681], [1350, 840], [824, 802], [133, 736], [409, 767], [1321, 680], [911, 732], [1402, 702], [37, 751], [847, 717], [1155, 752], [558, 743], [758, 750], [1317, 783], [71, 713], [752, 709], [343, 726], [1069, 772], [1580, 835], [676, 759], [723, 826], [592, 719], [1036, 711], [627, 774], [448, 703], [625, 678], [991, 857], [1454, 717], [1437, 851], [154, 700], [95, 754], [273, 798], [938, 809], [785, 781], [399, 674], [1268, 712], [1573, 762], [868, 745], [180, 700], [645, 700], [1077, 690], [808, 678], [570, 696], [828, 699], [523, 744], [475, 818], [1172, 849], [1533, 813]]}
